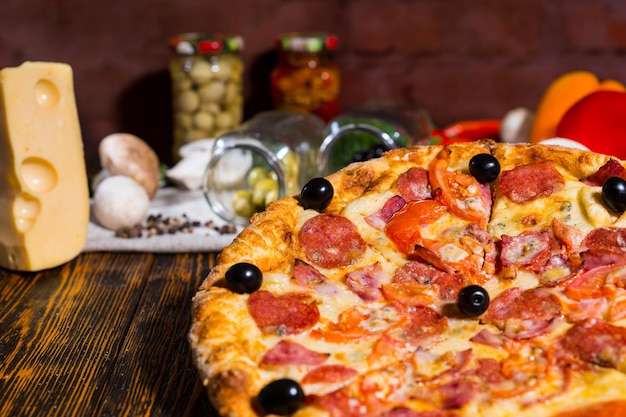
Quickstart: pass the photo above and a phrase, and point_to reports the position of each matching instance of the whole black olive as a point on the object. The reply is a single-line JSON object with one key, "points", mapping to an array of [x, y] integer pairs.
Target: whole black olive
{"points": [[473, 300], [244, 278], [484, 167], [282, 397], [614, 194], [316, 194]]}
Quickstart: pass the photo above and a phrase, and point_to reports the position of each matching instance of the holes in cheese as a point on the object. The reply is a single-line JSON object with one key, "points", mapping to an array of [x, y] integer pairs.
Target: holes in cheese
{"points": [[38, 175], [46, 93], [26, 209]]}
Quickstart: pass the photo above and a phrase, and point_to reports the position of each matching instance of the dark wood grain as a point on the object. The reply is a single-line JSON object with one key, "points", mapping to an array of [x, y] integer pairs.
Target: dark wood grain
{"points": [[105, 334]]}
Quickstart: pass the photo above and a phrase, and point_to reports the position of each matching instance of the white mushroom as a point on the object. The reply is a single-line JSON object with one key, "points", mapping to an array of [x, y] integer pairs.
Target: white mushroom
{"points": [[120, 201], [127, 155]]}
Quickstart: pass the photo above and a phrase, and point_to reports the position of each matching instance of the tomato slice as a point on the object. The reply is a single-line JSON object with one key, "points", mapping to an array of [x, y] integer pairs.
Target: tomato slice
{"points": [[404, 227], [461, 193]]}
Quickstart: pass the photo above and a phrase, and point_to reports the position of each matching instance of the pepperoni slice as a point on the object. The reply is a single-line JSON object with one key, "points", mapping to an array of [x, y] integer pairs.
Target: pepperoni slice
{"points": [[413, 184], [523, 314], [331, 241], [611, 169], [528, 182], [292, 353], [444, 284], [597, 342], [329, 374], [530, 249], [291, 313], [605, 238]]}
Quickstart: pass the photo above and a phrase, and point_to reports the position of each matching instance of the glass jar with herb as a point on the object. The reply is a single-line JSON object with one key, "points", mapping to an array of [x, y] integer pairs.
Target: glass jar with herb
{"points": [[367, 131]]}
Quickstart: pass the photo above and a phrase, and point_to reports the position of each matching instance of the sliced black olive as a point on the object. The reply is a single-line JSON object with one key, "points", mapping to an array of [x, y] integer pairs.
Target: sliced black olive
{"points": [[473, 300], [316, 194], [614, 194], [484, 167], [244, 278], [282, 397]]}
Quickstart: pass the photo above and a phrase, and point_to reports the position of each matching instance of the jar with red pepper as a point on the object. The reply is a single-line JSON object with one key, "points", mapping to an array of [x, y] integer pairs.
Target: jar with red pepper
{"points": [[306, 76]]}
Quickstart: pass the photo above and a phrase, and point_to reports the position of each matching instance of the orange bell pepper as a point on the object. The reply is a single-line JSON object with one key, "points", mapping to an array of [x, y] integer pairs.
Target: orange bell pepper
{"points": [[562, 94]]}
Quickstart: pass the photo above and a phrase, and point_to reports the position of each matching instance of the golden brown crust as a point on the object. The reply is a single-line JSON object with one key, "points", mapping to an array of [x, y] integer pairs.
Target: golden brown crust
{"points": [[226, 345], [576, 162]]}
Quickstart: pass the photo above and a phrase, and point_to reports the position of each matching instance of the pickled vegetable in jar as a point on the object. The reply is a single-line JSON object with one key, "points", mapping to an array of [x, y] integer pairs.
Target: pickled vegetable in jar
{"points": [[306, 77], [367, 131], [206, 72], [269, 156]]}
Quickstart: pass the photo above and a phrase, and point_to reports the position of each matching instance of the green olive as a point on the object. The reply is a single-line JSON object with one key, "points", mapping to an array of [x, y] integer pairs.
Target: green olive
{"points": [[261, 189], [271, 196], [254, 175], [241, 203]]}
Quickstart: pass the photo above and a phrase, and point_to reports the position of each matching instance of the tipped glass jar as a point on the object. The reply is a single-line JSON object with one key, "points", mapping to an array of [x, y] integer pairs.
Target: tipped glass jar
{"points": [[206, 71], [306, 77], [368, 131], [272, 155]]}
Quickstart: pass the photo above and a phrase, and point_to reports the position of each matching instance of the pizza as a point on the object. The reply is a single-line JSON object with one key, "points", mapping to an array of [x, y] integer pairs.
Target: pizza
{"points": [[471, 279]]}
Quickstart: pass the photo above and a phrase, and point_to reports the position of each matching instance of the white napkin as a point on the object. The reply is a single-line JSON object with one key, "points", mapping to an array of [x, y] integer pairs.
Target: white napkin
{"points": [[168, 202]]}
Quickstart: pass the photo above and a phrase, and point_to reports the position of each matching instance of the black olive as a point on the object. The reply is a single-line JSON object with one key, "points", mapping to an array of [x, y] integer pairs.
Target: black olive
{"points": [[244, 278], [316, 194], [614, 194], [282, 397], [484, 167], [473, 300]]}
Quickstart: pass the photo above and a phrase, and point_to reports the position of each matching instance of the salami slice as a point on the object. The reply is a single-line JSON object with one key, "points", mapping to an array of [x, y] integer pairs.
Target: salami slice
{"points": [[597, 342], [523, 314], [611, 169], [331, 241], [291, 313], [290, 353], [528, 182]]}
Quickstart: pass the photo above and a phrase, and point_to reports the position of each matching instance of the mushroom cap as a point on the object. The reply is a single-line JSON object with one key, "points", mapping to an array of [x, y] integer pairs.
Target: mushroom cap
{"points": [[120, 201], [126, 154]]}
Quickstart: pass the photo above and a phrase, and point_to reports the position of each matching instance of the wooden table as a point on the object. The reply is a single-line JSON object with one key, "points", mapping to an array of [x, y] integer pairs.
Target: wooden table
{"points": [[103, 335]]}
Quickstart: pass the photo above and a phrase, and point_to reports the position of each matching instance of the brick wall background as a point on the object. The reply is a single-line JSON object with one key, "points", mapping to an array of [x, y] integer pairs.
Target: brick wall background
{"points": [[459, 59]]}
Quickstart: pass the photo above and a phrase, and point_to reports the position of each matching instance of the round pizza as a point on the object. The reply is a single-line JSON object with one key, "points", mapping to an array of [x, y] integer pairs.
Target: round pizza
{"points": [[471, 279]]}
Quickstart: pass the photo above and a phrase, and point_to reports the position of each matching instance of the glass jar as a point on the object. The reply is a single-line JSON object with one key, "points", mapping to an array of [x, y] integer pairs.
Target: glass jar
{"points": [[306, 77], [271, 155], [206, 71], [367, 131]]}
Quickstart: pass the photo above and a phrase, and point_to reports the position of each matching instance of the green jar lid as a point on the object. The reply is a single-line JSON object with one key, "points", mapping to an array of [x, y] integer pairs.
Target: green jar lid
{"points": [[307, 42], [205, 43]]}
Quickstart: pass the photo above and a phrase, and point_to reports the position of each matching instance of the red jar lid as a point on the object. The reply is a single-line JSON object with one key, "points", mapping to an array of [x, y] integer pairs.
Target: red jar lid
{"points": [[307, 42], [205, 43]]}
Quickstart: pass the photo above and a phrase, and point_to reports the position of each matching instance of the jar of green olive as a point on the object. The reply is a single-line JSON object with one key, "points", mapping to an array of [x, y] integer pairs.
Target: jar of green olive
{"points": [[206, 73], [269, 156], [306, 76]]}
